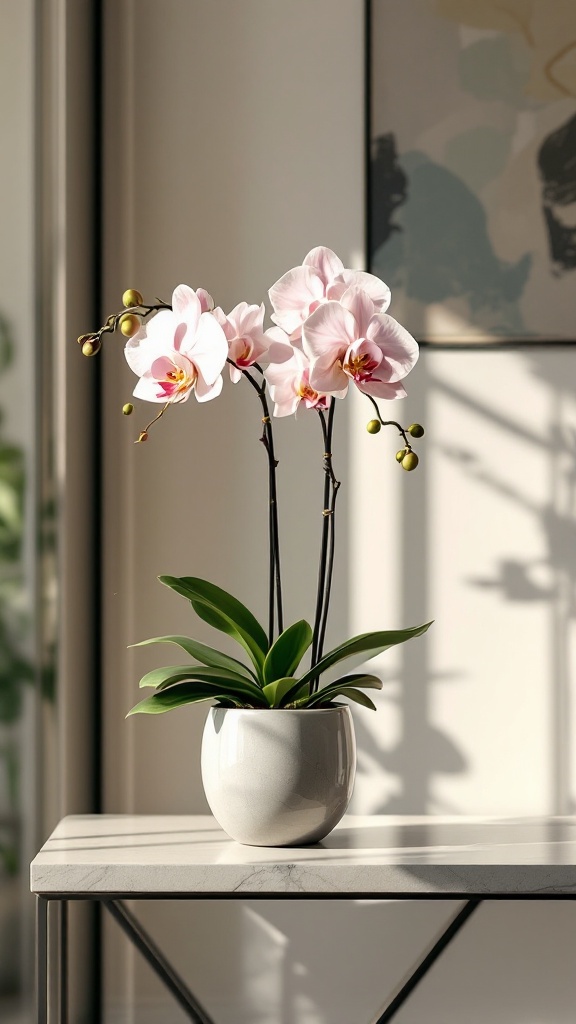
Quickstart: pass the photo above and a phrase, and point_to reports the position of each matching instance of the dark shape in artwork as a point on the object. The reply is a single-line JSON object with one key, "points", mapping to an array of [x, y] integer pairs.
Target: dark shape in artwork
{"points": [[443, 250], [388, 190], [557, 165]]}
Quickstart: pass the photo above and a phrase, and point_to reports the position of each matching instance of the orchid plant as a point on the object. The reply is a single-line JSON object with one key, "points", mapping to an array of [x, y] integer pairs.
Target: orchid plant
{"points": [[331, 332]]}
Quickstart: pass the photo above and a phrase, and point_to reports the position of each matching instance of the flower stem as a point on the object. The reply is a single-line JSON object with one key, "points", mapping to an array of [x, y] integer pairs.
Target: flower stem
{"points": [[389, 423], [275, 582], [327, 547]]}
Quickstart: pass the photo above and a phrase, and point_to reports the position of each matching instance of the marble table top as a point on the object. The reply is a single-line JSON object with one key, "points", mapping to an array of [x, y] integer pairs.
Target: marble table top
{"points": [[384, 855]]}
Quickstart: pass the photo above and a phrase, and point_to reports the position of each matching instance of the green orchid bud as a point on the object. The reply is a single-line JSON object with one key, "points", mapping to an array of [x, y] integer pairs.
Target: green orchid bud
{"points": [[91, 346], [373, 426], [410, 461], [130, 325], [128, 409], [400, 455], [416, 430], [132, 297]]}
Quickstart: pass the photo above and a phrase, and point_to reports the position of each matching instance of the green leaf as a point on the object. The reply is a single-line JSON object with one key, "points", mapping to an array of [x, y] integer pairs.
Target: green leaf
{"points": [[340, 685], [287, 652], [176, 696], [356, 695], [224, 612], [229, 682], [369, 644], [206, 655], [276, 690]]}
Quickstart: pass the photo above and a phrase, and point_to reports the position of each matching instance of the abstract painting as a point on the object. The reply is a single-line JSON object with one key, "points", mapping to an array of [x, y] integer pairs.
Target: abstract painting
{"points": [[472, 177]]}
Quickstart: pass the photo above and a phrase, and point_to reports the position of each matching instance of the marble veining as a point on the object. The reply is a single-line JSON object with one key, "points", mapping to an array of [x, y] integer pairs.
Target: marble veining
{"points": [[140, 854]]}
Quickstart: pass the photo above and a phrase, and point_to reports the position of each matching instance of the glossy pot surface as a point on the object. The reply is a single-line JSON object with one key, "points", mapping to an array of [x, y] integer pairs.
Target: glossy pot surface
{"points": [[278, 777]]}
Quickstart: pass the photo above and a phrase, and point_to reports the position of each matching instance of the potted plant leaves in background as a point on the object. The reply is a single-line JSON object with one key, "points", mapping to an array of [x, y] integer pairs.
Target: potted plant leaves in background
{"points": [[278, 752], [15, 672]]}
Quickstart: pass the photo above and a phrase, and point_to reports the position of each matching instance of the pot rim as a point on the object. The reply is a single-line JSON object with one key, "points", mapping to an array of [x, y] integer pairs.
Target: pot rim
{"points": [[284, 711]]}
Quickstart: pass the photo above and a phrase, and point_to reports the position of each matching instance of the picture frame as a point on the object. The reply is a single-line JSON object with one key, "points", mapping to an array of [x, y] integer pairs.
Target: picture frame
{"points": [[471, 168]]}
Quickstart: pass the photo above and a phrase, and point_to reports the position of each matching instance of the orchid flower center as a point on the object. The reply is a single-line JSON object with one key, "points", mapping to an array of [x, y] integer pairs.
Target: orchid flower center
{"points": [[308, 394], [245, 357], [359, 365], [177, 380]]}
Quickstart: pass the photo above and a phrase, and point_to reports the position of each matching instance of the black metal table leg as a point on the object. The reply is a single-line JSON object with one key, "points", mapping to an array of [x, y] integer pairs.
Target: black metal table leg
{"points": [[41, 960], [150, 951], [425, 964], [63, 962]]}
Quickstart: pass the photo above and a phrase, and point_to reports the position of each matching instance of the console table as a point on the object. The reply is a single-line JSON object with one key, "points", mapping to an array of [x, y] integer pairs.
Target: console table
{"points": [[112, 858]]}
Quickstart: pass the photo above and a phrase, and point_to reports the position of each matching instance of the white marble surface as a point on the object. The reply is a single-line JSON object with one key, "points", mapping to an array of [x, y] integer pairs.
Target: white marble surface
{"points": [[142, 854]]}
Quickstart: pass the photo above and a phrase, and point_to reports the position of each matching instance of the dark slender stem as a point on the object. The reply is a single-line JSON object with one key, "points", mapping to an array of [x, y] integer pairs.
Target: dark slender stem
{"points": [[275, 529], [326, 564], [323, 554], [389, 423], [335, 486], [275, 590]]}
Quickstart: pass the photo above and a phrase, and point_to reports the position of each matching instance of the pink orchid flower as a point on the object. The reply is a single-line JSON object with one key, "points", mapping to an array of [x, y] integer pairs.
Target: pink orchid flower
{"points": [[322, 277], [350, 341], [247, 341], [179, 351], [289, 385], [206, 300]]}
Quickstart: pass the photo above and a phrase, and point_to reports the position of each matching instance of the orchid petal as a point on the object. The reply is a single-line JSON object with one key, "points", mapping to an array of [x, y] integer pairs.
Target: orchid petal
{"points": [[205, 392], [209, 350], [186, 306], [221, 318], [279, 347], [381, 389], [137, 354], [373, 286], [399, 347], [292, 296], [361, 306], [328, 377], [148, 390], [289, 370], [326, 262], [206, 300], [286, 406], [329, 330]]}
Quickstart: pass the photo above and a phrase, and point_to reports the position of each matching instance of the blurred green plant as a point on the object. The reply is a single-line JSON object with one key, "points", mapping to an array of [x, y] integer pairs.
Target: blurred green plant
{"points": [[15, 667]]}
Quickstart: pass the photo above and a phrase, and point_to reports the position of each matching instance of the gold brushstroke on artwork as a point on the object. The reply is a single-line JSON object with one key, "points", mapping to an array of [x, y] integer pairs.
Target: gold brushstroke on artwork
{"points": [[544, 25], [556, 60]]}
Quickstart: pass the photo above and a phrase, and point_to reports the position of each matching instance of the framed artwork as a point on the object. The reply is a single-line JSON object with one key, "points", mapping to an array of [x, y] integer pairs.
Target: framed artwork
{"points": [[471, 109]]}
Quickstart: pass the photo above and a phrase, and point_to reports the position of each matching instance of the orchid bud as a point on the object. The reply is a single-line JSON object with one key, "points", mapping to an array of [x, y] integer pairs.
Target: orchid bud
{"points": [[131, 297], [91, 346], [130, 324], [128, 409], [410, 461], [416, 430], [400, 455], [373, 426], [143, 437]]}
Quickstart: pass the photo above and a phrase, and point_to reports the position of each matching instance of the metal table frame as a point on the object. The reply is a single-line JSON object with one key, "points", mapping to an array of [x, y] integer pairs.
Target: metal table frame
{"points": [[114, 903]]}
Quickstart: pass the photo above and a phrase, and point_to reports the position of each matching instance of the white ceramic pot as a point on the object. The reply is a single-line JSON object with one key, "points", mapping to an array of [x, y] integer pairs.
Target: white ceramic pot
{"points": [[278, 777]]}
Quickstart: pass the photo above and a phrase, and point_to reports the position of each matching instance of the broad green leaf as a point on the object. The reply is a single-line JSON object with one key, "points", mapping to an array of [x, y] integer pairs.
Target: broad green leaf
{"points": [[230, 682], [206, 655], [275, 691], [219, 621], [369, 644], [176, 696], [287, 652], [224, 612], [347, 682], [356, 695]]}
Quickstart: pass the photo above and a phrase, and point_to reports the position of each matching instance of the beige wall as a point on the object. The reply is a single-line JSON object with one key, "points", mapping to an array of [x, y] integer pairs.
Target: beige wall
{"points": [[234, 138]]}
